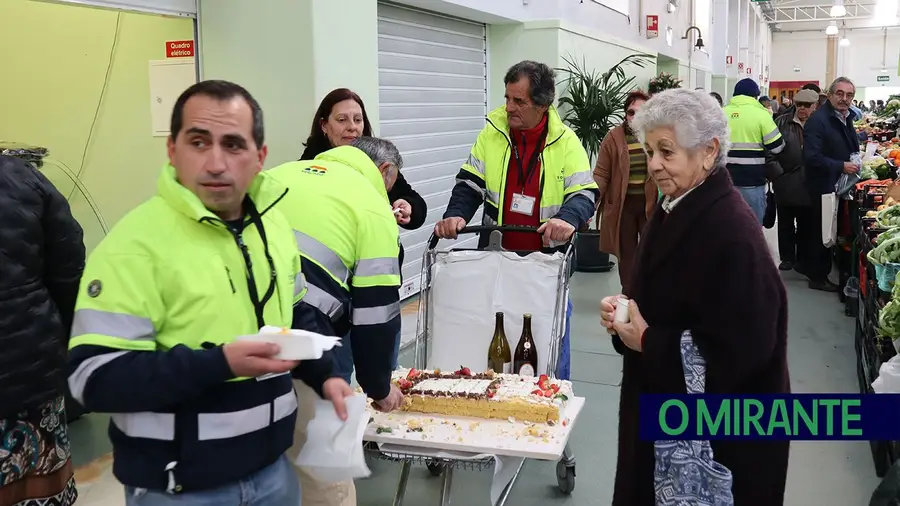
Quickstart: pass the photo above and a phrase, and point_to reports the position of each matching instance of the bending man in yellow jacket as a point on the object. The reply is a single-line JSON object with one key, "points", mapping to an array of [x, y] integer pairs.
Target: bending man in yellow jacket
{"points": [[348, 242]]}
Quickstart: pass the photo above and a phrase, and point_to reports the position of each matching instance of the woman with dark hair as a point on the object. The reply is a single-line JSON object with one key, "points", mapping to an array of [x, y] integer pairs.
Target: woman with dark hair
{"points": [[627, 195], [340, 119], [717, 97]]}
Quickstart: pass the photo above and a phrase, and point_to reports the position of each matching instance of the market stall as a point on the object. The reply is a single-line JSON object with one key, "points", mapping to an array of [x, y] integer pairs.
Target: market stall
{"points": [[873, 295]]}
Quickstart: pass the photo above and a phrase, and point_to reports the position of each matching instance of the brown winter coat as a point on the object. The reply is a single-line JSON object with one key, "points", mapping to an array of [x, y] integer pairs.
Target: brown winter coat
{"points": [[611, 175], [706, 267]]}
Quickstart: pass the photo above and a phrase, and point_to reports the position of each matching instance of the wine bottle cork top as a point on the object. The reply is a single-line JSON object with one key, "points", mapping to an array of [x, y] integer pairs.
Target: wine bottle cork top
{"points": [[527, 315]]}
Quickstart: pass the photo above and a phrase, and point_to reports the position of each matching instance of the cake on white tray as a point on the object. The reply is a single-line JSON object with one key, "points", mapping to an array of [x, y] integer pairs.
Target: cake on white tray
{"points": [[483, 395]]}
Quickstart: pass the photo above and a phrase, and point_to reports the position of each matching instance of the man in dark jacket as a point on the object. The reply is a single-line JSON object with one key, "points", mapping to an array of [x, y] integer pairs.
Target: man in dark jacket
{"points": [[789, 112], [829, 141], [791, 194]]}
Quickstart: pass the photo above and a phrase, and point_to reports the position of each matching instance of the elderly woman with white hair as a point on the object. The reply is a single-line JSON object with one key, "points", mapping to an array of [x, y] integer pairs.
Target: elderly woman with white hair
{"points": [[704, 266]]}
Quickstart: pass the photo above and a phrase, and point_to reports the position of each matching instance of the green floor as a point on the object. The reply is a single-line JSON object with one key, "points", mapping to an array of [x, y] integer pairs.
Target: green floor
{"points": [[821, 360]]}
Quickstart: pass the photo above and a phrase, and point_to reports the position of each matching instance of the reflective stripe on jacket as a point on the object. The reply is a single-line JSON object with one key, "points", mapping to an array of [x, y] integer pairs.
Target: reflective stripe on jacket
{"points": [[753, 132], [160, 294]]}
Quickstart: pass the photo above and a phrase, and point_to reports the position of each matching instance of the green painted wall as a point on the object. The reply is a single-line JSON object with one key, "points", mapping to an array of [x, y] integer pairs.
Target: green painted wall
{"points": [[61, 55], [289, 54]]}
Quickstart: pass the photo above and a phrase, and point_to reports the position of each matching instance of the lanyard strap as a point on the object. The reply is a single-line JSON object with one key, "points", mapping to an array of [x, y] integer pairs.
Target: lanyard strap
{"points": [[258, 305], [524, 176]]}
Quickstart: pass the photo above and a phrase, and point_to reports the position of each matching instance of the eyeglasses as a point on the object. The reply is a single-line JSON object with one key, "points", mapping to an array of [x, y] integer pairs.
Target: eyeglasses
{"points": [[804, 105], [849, 95]]}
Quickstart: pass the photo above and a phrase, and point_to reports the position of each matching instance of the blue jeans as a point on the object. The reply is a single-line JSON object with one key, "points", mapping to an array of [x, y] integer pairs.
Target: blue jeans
{"points": [[563, 367], [276, 485], [343, 357], [755, 196]]}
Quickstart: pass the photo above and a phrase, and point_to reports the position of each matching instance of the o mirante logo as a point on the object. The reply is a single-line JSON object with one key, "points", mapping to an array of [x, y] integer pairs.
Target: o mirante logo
{"points": [[782, 416]]}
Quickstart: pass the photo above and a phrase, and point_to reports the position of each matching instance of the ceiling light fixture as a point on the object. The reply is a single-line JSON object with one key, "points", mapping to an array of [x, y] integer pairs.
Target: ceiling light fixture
{"points": [[844, 42], [832, 29], [838, 10]]}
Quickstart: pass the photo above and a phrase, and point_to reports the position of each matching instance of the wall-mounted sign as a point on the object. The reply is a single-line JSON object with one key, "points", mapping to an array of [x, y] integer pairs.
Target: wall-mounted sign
{"points": [[749, 71], [883, 79], [180, 49], [729, 60], [796, 69], [741, 65], [652, 26]]}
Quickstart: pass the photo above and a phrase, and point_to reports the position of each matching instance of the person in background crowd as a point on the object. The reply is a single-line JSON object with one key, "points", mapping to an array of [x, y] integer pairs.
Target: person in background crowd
{"points": [[43, 256], [703, 243], [341, 119], [823, 97], [856, 113], [627, 194], [198, 417], [872, 105], [790, 111], [879, 106], [348, 255], [763, 101], [786, 104], [829, 140], [754, 134], [528, 169], [794, 220], [718, 98]]}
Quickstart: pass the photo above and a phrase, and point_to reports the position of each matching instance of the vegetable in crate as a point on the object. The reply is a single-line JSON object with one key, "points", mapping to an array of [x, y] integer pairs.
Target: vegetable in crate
{"points": [[886, 252], [889, 217], [889, 320], [887, 234]]}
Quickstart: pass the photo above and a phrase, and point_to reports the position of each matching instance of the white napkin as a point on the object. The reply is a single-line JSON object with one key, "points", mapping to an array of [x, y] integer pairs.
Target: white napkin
{"points": [[333, 450], [504, 467], [295, 344]]}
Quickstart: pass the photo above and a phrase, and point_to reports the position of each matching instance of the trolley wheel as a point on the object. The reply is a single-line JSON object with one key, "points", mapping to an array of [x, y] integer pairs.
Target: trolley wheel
{"points": [[565, 477], [435, 468]]}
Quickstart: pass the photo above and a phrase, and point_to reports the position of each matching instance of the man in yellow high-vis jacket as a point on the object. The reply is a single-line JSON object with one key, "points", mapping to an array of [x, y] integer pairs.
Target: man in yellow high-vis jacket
{"points": [[198, 418], [528, 169], [348, 241], [753, 134]]}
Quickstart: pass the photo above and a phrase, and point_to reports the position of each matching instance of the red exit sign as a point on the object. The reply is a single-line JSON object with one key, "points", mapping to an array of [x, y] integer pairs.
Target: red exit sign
{"points": [[180, 49]]}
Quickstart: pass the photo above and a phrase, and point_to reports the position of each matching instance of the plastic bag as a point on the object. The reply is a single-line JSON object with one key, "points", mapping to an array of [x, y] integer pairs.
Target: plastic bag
{"points": [[333, 450], [848, 182], [829, 219], [888, 380]]}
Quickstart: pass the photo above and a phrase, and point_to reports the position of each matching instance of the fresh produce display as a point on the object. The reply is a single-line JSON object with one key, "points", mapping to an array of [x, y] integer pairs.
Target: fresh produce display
{"points": [[875, 168], [888, 217]]}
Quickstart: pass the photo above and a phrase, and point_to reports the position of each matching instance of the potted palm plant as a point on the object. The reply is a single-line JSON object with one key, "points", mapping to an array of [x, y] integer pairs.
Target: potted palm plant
{"points": [[594, 103]]}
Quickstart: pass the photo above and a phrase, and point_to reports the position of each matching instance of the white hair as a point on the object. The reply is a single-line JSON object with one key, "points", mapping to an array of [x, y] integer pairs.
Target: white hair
{"points": [[696, 117]]}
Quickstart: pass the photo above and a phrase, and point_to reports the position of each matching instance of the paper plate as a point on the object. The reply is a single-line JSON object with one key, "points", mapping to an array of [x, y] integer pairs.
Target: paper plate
{"points": [[295, 344]]}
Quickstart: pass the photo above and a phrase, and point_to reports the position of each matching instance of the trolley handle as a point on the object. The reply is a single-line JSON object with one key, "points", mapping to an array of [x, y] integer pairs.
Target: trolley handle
{"points": [[478, 229]]}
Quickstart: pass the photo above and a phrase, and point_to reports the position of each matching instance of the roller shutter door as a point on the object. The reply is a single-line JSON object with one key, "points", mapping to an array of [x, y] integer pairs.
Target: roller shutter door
{"points": [[432, 80]]}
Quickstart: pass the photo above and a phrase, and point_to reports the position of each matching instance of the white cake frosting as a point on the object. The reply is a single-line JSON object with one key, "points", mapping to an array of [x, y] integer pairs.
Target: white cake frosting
{"points": [[453, 385]]}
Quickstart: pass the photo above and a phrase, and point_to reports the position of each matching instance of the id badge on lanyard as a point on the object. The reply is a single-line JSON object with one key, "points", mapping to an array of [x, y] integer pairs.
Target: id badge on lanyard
{"points": [[521, 203]]}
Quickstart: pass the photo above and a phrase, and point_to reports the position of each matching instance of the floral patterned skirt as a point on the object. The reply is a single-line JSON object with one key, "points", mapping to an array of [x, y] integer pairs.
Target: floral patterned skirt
{"points": [[35, 468]]}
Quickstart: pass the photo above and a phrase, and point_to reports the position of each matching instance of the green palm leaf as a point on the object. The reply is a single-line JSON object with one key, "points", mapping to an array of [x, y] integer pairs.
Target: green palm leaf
{"points": [[594, 102]]}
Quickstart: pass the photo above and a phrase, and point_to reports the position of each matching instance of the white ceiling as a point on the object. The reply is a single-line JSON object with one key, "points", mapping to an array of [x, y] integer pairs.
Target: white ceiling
{"points": [[814, 15]]}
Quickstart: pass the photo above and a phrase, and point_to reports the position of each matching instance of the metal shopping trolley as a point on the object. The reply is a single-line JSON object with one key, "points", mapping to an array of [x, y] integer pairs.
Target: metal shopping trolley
{"points": [[460, 291]]}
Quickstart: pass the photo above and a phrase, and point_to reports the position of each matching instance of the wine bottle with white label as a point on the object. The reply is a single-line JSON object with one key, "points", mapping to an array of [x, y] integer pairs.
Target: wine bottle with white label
{"points": [[525, 360]]}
